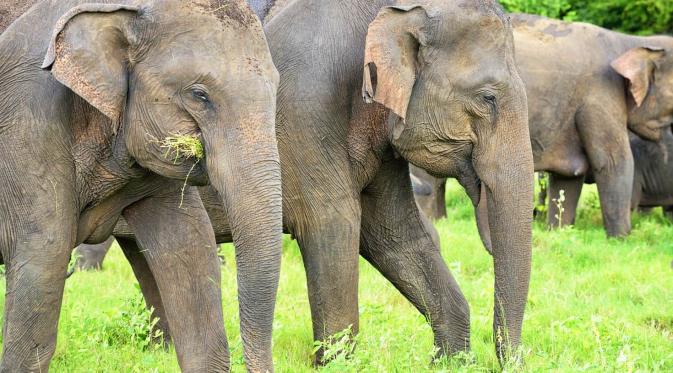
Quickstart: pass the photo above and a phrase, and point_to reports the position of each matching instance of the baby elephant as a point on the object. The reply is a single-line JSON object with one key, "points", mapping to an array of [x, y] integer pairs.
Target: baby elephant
{"points": [[112, 109]]}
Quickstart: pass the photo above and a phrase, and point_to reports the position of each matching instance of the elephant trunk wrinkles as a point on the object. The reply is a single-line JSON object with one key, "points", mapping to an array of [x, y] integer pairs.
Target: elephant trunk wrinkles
{"points": [[507, 176], [251, 191]]}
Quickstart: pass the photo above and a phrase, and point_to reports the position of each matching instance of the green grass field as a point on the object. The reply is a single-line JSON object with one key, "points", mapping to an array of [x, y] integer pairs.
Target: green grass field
{"points": [[595, 305]]}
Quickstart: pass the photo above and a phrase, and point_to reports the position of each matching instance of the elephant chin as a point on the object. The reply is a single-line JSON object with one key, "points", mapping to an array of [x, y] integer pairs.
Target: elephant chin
{"points": [[651, 130], [472, 185]]}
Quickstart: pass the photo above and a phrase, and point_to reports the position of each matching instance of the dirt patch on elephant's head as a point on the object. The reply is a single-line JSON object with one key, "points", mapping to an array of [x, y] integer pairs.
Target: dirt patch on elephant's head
{"points": [[234, 13]]}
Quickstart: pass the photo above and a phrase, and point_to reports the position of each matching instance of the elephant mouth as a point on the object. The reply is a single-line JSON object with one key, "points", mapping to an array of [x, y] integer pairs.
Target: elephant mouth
{"points": [[652, 130], [177, 156]]}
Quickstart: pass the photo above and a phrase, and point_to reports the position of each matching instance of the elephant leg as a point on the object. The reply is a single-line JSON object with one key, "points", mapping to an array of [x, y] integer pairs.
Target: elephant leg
{"points": [[329, 247], [562, 211], [439, 203], [395, 240], [668, 212], [606, 143], [148, 286], [647, 209], [36, 273], [90, 257], [433, 201], [180, 250], [543, 183]]}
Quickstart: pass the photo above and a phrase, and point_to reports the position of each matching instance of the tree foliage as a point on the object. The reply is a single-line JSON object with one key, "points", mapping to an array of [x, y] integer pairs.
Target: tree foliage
{"points": [[642, 17]]}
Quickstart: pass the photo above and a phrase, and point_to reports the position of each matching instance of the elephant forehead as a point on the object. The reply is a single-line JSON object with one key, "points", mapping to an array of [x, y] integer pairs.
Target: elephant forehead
{"points": [[207, 16]]}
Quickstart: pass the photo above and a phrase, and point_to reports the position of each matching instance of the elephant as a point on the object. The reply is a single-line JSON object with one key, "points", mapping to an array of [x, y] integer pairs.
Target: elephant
{"points": [[652, 182], [93, 96], [345, 160], [587, 86], [90, 257]]}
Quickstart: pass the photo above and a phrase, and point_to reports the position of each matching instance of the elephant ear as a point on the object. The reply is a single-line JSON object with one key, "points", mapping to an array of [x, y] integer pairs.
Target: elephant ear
{"points": [[391, 56], [88, 53], [638, 66]]}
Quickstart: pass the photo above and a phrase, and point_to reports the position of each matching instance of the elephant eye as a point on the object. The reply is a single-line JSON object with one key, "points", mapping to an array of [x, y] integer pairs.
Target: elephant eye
{"points": [[200, 95], [490, 99]]}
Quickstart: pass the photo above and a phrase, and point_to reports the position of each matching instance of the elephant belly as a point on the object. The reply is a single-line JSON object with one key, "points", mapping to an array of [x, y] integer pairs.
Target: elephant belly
{"points": [[567, 159], [96, 225], [655, 201], [555, 141], [660, 194]]}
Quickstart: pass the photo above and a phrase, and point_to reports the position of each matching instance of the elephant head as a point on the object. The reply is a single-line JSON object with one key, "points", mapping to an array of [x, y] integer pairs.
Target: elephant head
{"points": [[200, 69], [648, 72], [446, 70]]}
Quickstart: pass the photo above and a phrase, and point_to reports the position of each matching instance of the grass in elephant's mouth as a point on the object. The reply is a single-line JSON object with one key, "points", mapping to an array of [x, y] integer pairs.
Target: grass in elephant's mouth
{"points": [[595, 305], [183, 146]]}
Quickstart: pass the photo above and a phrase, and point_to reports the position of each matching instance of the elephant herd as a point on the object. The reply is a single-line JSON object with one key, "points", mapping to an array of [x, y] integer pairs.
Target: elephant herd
{"points": [[307, 125]]}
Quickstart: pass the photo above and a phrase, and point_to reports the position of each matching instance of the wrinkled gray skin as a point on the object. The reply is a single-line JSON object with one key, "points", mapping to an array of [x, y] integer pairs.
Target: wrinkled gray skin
{"points": [[586, 86], [653, 181], [345, 189], [80, 149], [10, 10]]}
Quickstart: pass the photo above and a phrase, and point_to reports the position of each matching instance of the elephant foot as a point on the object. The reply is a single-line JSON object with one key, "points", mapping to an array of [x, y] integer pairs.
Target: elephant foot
{"points": [[463, 357], [339, 346]]}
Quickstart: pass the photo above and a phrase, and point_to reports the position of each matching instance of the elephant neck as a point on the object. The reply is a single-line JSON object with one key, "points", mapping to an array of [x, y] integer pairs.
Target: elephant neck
{"points": [[103, 165], [368, 140], [337, 38]]}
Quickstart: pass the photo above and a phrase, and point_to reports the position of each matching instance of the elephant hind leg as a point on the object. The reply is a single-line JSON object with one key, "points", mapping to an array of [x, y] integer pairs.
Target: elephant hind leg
{"points": [[148, 286], [562, 210], [395, 240]]}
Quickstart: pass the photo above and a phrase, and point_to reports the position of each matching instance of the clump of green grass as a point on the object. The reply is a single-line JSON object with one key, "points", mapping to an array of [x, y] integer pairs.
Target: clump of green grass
{"points": [[183, 146]]}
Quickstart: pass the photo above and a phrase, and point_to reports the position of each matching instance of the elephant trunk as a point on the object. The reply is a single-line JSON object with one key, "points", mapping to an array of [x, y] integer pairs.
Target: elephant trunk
{"points": [[506, 173], [250, 186]]}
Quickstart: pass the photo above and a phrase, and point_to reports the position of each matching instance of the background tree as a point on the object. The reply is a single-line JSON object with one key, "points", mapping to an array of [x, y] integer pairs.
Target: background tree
{"points": [[643, 17]]}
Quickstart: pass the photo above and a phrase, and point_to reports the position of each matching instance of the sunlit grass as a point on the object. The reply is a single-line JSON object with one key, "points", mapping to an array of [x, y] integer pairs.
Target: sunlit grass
{"points": [[595, 305]]}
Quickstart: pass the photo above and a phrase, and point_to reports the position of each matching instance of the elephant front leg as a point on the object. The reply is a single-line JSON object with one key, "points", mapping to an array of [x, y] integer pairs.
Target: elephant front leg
{"points": [[329, 247], [36, 272], [148, 286], [607, 144], [395, 240], [564, 195], [180, 251]]}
